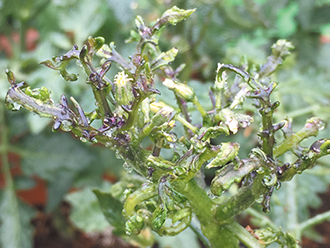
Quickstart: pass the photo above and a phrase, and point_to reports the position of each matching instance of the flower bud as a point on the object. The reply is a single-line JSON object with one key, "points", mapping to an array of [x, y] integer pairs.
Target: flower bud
{"points": [[182, 90], [156, 106]]}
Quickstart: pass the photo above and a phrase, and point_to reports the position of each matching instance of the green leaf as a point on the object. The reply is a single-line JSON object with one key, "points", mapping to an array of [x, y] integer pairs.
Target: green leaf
{"points": [[112, 210], [122, 10], [91, 22], [303, 193], [286, 23], [86, 213], [49, 154], [15, 222]]}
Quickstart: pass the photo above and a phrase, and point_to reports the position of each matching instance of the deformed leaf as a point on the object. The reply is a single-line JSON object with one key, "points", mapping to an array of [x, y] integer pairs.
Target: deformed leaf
{"points": [[268, 236], [94, 44], [227, 153], [226, 176], [60, 63], [11, 77], [185, 239], [173, 16]]}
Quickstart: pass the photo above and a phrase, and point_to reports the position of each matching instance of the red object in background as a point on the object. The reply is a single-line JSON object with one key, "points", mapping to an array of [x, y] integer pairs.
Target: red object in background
{"points": [[36, 196], [31, 39], [324, 39]]}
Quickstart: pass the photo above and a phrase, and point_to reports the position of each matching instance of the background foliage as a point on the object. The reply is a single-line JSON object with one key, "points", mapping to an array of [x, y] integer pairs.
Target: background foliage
{"points": [[219, 31]]}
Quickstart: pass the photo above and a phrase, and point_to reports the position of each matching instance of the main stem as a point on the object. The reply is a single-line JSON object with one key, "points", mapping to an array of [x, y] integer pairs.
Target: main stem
{"points": [[202, 206], [226, 235]]}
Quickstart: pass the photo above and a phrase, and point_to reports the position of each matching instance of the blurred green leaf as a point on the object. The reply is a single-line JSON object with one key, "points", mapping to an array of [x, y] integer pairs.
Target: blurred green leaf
{"points": [[47, 155], [62, 160], [83, 20], [86, 212], [15, 222], [286, 23], [304, 195], [123, 10], [186, 239], [112, 210]]}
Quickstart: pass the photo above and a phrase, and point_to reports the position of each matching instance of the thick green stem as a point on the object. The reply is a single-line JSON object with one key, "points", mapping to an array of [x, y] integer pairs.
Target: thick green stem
{"points": [[245, 197], [226, 235], [202, 206]]}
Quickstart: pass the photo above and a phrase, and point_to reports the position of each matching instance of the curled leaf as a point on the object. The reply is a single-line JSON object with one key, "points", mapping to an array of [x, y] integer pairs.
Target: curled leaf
{"points": [[226, 176], [60, 64], [182, 90], [227, 153]]}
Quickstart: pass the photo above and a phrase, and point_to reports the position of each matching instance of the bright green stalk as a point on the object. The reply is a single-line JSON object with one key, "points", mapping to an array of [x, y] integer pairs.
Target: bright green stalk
{"points": [[200, 107], [201, 204], [186, 123]]}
